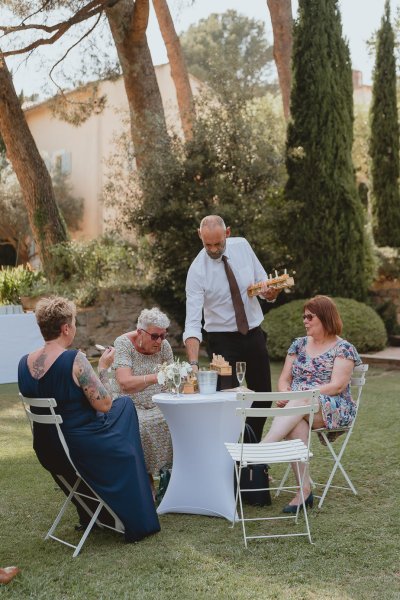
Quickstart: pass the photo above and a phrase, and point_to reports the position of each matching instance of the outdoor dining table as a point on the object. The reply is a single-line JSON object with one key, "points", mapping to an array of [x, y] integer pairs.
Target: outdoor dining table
{"points": [[202, 475]]}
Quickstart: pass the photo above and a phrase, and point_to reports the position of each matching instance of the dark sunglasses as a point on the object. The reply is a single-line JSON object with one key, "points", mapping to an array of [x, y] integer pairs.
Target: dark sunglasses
{"points": [[308, 316], [156, 336]]}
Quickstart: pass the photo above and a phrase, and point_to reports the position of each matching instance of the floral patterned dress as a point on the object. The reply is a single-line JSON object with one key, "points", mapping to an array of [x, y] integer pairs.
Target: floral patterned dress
{"points": [[307, 373], [154, 432]]}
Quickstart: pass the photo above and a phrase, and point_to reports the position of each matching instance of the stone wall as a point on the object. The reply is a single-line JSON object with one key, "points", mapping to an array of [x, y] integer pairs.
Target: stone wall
{"points": [[113, 314]]}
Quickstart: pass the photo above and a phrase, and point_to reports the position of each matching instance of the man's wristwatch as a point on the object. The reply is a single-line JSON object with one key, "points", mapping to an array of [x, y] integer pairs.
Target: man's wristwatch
{"points": [[194, 362]]}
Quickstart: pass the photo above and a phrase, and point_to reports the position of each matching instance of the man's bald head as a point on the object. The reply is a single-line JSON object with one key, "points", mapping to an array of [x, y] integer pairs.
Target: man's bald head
{"points": [[213, 233]]}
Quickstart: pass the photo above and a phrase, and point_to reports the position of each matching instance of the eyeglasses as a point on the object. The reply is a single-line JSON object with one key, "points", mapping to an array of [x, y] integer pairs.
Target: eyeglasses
{"points": [[156, 336], [308, 316]]}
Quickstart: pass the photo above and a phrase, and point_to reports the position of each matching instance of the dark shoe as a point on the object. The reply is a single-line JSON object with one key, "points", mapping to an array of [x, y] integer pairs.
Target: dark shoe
{"points": [[292, 508], [7, 574], [83, 526]]}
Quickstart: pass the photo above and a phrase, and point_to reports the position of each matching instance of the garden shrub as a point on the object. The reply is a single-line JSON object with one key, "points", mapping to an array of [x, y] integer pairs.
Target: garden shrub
{"points": [[18, 281], [362, 326]]}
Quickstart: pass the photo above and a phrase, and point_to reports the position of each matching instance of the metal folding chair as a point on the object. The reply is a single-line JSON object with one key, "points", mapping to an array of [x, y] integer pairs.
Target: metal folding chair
{"points": [[357, 383], [54, 420], [291, 451]]}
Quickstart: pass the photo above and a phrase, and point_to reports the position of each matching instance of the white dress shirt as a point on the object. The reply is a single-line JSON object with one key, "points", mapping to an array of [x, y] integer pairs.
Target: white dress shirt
{"points": [[207, 289]]}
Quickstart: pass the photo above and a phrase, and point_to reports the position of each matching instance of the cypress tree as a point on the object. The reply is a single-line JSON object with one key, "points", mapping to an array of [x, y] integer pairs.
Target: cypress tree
{"points": [[326, 240], [384, 142]]}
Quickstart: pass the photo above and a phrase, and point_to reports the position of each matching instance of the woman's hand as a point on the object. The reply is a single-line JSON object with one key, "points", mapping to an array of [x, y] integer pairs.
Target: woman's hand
{"points": [[281, 403], [107, 358]]}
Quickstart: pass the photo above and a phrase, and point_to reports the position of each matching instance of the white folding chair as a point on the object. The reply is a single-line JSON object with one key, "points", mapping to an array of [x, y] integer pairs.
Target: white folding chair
{"points": [[55, 420], [291, 451], [357, 383]]}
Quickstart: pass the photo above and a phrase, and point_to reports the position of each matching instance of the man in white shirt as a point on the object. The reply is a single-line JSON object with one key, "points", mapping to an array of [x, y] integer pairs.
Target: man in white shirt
{"points": [[209, 290]]}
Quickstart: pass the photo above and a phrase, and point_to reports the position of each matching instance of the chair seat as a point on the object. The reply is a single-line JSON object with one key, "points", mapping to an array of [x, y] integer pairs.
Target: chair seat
{"points": [[285, 451]]}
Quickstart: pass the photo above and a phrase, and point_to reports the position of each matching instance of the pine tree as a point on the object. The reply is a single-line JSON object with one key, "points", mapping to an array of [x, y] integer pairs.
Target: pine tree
{"points": [[384, 142], [325, 238]]}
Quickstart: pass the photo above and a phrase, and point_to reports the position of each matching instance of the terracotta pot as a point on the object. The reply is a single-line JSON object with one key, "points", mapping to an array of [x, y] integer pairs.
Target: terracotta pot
{"points": [[29, 302]]}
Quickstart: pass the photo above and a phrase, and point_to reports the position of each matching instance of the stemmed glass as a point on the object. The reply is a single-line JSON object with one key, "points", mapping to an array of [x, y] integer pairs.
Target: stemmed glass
{"points": [[177, 379], [240, 372]]}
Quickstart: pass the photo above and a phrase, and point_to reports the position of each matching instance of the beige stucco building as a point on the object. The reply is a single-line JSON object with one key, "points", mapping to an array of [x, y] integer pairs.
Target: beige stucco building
{"points": [[81, 152]]}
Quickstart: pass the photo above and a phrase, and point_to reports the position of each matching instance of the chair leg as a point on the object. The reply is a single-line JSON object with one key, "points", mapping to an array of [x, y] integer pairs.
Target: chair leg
{"points": [[303, 502], [62, 511], [283, 481], [88, 529], [337, 464]]}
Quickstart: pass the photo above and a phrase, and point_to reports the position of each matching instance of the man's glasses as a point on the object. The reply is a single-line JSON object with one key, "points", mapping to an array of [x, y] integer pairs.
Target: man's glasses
{"points": [[308, 316], [156, 336]]}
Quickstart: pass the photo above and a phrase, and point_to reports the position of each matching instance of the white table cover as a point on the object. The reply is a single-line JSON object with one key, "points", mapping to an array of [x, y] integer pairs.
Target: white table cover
{"points": [[19, 335], [202, 474]]}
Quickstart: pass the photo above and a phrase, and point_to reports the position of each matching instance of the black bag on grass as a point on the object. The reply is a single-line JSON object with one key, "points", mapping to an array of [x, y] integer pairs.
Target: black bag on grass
{"points": [[255, 477]]}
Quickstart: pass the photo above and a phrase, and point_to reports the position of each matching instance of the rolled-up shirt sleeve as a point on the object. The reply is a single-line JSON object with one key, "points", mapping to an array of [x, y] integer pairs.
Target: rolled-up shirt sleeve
{"points": [[194, 307]]}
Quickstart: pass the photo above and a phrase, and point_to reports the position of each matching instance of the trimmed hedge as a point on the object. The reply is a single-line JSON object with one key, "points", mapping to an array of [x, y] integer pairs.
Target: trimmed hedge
{"points": [[362, 326]]}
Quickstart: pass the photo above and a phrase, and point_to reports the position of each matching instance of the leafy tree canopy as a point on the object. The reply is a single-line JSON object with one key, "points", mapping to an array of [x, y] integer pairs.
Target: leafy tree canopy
{"points": [[230, 52]]}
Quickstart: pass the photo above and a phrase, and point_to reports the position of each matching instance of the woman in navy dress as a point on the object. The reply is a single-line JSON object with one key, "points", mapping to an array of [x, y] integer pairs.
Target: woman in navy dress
{"points": [[102, 436]]}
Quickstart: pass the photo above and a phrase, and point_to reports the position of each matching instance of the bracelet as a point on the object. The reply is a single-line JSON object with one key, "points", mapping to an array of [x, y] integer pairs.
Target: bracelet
{"points": [[194, 362], [144, 380]]}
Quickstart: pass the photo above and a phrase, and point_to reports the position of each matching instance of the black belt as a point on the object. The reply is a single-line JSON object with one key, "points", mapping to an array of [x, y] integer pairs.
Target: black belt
{"points": [[250, 332]]}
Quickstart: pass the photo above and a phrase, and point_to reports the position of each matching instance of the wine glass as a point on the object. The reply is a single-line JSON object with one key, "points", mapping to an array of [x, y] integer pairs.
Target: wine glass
{"points": [[177, 378], [240, 372]]}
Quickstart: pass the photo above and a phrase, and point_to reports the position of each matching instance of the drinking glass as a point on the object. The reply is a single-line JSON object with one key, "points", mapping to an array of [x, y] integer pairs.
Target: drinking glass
{"points": [[240, 372], [177, 381]]}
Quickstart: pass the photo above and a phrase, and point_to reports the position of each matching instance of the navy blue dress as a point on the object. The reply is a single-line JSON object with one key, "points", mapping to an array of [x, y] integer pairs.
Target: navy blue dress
{"points": [[105, 448]]}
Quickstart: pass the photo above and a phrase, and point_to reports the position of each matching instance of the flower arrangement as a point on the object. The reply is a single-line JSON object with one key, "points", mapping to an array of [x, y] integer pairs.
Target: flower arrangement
{"points": [[168, 370]]}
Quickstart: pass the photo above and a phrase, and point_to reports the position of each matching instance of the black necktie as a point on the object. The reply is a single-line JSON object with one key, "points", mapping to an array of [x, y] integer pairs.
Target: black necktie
{"points": [[238, 306]]}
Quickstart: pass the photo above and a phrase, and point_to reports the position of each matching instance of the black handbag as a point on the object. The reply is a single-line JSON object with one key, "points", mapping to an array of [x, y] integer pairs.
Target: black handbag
{"points": [[254, 477]]}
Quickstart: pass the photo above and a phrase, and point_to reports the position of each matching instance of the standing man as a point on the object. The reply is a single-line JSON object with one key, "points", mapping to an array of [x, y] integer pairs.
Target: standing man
{"points": [[217, 283]]}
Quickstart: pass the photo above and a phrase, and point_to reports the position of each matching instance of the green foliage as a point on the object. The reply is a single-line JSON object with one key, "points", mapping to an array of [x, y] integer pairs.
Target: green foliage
{"points": [[232, 167], [230, 52], [16, 282], [361, 326], [81, 268], [325, 225], [14, 222], [388, 262], [384, 143]]}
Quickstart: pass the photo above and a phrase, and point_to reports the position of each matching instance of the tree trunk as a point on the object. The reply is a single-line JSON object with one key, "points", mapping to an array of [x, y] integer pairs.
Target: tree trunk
{"points": [[282, 27], [47, 225], [178, 67], [128, 23]]}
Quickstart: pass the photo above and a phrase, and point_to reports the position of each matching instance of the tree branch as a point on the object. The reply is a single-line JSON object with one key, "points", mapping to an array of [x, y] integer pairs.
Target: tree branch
{"points": [[92, 9]]}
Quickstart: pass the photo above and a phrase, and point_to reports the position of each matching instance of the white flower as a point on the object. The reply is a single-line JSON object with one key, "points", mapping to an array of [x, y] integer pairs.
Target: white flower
{"points": [[166, 371]]}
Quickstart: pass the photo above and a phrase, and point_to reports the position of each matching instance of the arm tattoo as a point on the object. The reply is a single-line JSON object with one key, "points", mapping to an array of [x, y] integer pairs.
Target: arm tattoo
{"points": [[92, 387], [38, 366], [103, 376]]}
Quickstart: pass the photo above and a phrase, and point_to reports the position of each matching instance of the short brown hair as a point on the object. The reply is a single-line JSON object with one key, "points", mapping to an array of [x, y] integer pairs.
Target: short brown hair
{"points": [[51, 313], [327, 312]]}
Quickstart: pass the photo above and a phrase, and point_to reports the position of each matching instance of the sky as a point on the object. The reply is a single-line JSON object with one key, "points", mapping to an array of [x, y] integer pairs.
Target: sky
{"points": [[360, 18]]}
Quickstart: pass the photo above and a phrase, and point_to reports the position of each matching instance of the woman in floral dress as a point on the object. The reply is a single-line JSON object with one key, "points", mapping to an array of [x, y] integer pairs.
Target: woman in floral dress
{"points": [[138, 354], [320, 360]]}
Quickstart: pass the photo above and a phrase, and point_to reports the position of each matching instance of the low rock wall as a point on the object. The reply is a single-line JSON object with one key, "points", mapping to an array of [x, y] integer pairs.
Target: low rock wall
{"points": [[114, 313]]}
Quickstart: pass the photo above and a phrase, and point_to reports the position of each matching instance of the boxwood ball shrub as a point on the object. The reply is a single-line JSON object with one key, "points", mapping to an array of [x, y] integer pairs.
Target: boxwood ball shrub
{"points": [[362, 326]]}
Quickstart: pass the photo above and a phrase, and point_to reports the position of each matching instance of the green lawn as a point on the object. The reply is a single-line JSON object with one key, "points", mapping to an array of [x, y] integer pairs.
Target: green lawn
{"points": [[355, 554]]}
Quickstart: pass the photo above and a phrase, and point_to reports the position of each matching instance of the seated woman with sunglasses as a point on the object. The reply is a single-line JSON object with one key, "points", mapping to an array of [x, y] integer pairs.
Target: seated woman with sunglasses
{"points": [[321, 360], [137, 355]]}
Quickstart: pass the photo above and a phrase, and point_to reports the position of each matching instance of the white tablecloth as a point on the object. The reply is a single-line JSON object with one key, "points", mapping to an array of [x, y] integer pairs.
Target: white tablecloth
{"points": [[19, 335], [202, 473]]}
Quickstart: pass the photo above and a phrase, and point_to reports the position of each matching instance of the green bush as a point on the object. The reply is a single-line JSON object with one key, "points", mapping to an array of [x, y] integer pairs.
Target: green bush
{"points": [[361, 326], [16, 282]]}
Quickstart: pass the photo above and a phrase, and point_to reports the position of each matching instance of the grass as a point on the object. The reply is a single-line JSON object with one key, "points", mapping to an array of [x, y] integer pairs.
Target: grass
{"points": [[355, 555]]}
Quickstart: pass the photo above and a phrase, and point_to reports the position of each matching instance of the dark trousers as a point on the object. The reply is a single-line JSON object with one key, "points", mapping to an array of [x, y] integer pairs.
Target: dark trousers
{"points": [[252, 349]]}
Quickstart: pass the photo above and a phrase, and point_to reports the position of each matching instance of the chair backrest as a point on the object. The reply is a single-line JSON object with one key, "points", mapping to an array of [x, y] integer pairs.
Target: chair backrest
{"points": [[357, 383], [310, 406], [50, 419]]}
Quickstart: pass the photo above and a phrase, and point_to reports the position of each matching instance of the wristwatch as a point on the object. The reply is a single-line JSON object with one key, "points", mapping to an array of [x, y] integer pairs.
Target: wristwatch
{"points": [[194, 362]]}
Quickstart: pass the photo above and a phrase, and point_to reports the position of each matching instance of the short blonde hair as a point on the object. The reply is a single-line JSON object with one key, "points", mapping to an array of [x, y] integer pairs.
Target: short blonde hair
{"points": [[51, 313]]}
